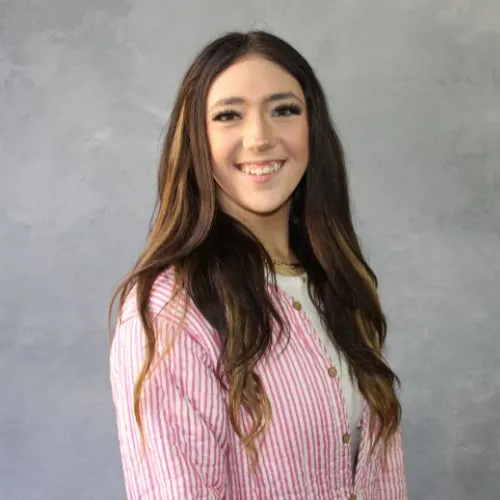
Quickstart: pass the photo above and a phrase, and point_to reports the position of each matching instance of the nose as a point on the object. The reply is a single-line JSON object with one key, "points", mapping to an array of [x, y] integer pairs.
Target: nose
{"points": [[258, 135]]}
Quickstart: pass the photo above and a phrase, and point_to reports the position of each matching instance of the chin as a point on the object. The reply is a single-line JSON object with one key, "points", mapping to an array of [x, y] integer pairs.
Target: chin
{"points": [[253, 206], [267, 210]]}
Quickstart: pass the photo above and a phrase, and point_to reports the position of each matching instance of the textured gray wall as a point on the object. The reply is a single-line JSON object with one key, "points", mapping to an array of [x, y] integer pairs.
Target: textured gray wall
{"points": [[86, 88]]}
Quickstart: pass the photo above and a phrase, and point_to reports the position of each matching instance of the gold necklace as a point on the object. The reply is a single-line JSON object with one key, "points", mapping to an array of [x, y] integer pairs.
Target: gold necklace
{"points": [[287, 269]]}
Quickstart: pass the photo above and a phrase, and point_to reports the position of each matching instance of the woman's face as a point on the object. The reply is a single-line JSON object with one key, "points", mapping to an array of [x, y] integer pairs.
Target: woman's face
{"points": [[258, 134]]}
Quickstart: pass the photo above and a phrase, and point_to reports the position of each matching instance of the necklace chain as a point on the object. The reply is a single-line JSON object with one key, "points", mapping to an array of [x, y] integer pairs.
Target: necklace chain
{"points": [[288, 269]]}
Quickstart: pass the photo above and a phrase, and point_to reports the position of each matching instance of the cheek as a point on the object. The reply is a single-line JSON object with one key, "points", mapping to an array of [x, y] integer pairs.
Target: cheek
{"points": [[222, 148], [222, 151], [298, 141]]}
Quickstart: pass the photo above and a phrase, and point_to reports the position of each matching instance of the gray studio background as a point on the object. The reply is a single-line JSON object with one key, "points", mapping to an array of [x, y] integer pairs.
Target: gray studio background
{"points": [[85, 92]]}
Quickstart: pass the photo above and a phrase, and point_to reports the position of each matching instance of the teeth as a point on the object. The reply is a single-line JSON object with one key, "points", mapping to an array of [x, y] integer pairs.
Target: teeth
{"points": [[270, 168]]}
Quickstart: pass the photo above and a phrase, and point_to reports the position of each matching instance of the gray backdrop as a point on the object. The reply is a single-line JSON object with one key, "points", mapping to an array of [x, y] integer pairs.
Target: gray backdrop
{"points": [[86, 88]]}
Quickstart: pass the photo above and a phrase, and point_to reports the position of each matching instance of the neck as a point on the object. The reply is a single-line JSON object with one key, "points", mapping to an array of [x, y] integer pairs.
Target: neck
{"points": [[274, 236], [271, 230]]}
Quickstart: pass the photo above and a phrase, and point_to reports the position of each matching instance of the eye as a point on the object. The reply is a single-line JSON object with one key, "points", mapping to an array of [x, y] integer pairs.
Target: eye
{"points": [[287, 110], [225, 116]]}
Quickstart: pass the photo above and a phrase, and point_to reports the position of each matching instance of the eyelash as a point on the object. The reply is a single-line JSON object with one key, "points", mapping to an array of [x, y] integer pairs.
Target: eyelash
{"points": [[293, 109]]}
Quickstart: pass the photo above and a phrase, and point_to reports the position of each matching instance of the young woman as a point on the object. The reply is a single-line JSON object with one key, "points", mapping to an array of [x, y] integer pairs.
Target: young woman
{"points": [[248, 356]]}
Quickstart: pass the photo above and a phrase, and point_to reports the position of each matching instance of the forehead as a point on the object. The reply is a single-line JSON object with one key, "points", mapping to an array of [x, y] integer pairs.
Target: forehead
{"points": [[253, 78]]}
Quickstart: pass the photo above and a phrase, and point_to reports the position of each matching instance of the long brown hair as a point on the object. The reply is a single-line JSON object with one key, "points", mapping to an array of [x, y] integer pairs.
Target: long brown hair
{"points": [[207, 249]]}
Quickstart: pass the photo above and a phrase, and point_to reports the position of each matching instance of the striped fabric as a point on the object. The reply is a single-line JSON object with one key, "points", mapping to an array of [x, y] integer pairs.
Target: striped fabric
{"points": [[192, 451]]}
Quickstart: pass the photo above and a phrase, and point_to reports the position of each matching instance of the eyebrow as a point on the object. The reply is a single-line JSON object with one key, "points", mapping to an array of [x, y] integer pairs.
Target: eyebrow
{"points": [[278, 96]]}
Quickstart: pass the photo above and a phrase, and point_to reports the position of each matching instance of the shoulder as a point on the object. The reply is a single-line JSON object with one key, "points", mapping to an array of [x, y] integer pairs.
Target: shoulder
{"points": [[161, 295], [174, 315]]}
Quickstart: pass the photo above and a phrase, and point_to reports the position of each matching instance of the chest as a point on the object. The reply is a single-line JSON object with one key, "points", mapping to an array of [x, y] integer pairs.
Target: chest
{"points": [[305, 387], [309, 435]]}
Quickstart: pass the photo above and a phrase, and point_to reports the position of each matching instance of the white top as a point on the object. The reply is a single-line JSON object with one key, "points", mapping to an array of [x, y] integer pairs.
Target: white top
{"points": [[296, 288]]}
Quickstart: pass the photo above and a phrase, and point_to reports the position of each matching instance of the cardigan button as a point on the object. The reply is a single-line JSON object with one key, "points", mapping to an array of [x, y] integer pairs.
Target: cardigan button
{"points": [[353, 497], [297, 305], [346, 438], [332, 371]]}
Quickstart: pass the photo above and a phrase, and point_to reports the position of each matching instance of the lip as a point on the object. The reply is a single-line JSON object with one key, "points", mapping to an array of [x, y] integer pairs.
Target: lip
{"points": [[260, 179], [261, 162]]}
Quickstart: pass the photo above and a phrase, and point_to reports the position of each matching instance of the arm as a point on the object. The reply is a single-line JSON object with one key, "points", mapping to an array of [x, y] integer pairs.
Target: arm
{"points": [[391, 482], [184, 420]]}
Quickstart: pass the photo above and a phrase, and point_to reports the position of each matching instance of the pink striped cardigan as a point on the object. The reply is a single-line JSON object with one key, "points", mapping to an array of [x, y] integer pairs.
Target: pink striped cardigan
{"points": [[192, 450]]}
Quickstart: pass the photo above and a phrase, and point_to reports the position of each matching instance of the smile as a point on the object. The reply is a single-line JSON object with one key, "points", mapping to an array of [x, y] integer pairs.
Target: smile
{"points": [[261, 168]]}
